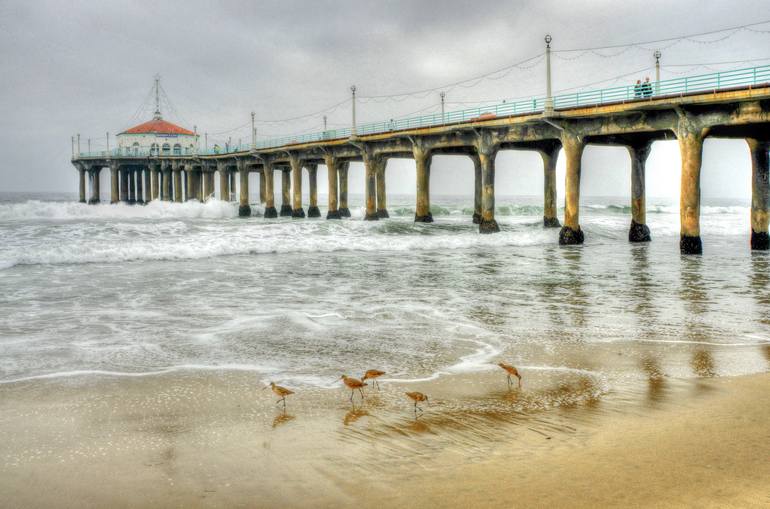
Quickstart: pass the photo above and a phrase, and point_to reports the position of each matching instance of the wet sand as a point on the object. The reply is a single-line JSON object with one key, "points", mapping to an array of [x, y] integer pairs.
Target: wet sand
{"points": [[217, 440]]}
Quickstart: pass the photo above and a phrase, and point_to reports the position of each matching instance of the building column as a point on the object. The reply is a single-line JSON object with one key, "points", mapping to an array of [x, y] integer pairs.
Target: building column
{"points": [[760, 194], [267, 173], [550, 156], [476, 188], [691, 150], [139, 190], [189, 194], [178, 189], [81, 184], [114, 184], [224, 182], [296, 185], [262, 184], [371, 162], [331, 172], [285, 193], [422, 160], [382, 198], [131, 186], [166, 185], [639, 231], [205, 185], [231, 187], [342, 172], [312, 173], [244, 210], [573, 152], [147, 185], [487, 153]]}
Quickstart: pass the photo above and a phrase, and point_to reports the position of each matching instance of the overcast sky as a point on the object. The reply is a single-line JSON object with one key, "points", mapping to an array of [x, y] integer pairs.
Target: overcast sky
{"points": [[87, 67]]}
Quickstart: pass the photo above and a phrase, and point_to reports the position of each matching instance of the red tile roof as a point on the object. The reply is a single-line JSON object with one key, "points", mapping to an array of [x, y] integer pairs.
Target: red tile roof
{"points": [[157, 126]]}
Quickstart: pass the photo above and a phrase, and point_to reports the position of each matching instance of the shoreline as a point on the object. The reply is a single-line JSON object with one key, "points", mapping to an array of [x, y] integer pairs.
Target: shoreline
{"points": [[216, 440]]}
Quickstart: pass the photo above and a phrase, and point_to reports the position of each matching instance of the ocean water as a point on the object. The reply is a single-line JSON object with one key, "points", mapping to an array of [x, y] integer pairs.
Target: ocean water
{"points": [[117, 290]]}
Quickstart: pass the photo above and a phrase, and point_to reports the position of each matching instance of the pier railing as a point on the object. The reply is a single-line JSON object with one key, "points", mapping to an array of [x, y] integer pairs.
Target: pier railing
{"points": [[748, 77]]}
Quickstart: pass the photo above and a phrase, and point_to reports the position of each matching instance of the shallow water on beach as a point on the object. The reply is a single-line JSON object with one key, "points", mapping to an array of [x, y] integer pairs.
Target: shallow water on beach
{"points": [[133, 291]]}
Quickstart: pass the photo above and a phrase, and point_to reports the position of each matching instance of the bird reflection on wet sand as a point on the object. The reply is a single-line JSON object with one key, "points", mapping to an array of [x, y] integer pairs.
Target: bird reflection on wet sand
{"points": [[353, 415], [282, 419]]}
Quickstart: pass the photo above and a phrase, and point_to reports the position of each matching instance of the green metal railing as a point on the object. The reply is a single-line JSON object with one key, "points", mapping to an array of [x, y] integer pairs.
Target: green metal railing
{"points": [[748, 77]]}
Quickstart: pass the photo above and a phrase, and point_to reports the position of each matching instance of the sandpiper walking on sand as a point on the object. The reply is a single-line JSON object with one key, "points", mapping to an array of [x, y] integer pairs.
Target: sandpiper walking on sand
{"points": [[281, 392], [417, 397], [372, 375], [353, 384], [512, 371]]}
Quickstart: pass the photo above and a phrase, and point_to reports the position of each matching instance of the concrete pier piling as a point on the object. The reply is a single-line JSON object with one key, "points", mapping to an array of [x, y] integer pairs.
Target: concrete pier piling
{"points": [[573, 145], [639, 231], [342, 172], [382, 195], [268, 173], [166, 184], [154, 182], [94, 178], [760, 194], [131, 186], [691, 149], [262, 184], [312, 173], [231, 185], [285, 193], [81, 184], [487, 152], [422, 160], [224, 181], [147, 185], [296, 187], [178, 184], [550, 155], [476, 188], [123, 175], [139, 188], [371, 162], [244, 210], [114, 183], [331, 162]]}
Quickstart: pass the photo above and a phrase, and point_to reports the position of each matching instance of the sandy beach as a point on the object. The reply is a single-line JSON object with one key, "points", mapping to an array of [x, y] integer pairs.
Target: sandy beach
{"points": [[216, 440]]}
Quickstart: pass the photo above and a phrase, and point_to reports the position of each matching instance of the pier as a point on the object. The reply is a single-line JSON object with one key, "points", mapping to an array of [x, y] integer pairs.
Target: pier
{"points": [[730, 104]]}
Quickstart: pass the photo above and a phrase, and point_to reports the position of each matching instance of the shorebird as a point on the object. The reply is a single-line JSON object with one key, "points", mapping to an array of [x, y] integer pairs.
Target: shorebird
{"points": [[281, 392], [416, 397], [512, 371], [372, 375], [353, 384]]}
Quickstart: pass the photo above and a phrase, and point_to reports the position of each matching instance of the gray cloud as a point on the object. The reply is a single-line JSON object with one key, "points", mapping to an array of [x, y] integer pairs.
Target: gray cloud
{"points": [[85, 67]]}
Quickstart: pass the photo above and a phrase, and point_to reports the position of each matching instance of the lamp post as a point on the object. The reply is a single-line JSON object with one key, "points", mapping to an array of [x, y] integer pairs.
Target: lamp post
{"points": [[353, 128], [108, 144], [253, 132], [72, 145], [657, 56], [548, 108], [443, 96], [78, 144]]}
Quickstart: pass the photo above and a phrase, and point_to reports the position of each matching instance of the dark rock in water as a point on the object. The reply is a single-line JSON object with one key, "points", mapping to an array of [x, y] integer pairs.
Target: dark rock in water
{"points": [[344, 212], [690, 245], [270, 212], [244, 211], [313, 212], [639, 232], [285, 210], [298, 213], [760, 241], [570, 237], [333, 214]]}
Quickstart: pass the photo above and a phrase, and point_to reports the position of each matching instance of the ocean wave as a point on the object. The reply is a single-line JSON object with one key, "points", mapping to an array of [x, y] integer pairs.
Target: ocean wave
{"points": [[66, 211]]}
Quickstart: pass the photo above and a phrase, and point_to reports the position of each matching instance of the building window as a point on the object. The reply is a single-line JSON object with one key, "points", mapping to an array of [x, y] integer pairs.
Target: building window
{"points": [[154, 149], [166, 149], [177, 149], [136, 149]]}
